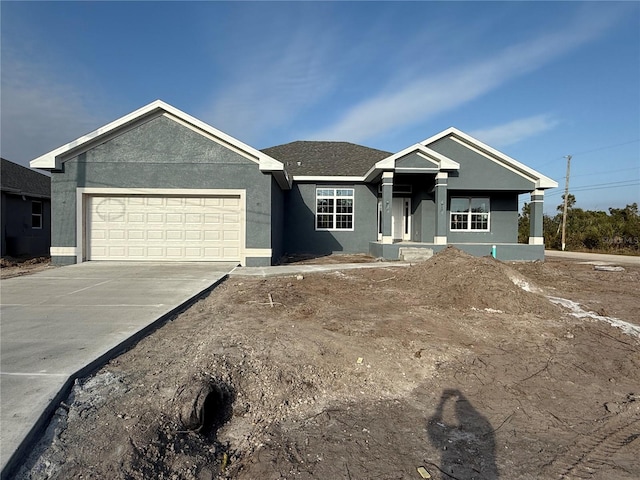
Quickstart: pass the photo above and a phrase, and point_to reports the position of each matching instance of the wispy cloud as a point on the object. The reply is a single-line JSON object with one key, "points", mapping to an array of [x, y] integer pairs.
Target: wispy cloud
{"points": [[516, 130], [39, 111], [277, 80], [406, 104]]}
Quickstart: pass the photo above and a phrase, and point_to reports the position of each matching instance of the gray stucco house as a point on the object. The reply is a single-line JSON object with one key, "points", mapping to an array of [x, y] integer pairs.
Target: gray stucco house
{"points": [[159, 184], [26, 211]]}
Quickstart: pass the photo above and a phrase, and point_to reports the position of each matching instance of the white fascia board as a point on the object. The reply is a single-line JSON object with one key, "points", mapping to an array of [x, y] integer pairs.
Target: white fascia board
{"points": [[327, 178], [540, 180]]}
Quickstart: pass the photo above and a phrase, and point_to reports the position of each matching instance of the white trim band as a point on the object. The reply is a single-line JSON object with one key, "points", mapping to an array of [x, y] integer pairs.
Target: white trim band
{"points": [[63, 251], [258, 252]]}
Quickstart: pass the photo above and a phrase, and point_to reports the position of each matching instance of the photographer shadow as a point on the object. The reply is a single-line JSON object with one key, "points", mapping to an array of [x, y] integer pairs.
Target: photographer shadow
{"points": [[464, 437]]}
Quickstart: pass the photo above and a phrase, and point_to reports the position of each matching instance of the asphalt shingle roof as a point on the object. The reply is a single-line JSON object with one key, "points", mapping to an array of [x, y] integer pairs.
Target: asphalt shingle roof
{"points": [[326, 158], [21, 180]]}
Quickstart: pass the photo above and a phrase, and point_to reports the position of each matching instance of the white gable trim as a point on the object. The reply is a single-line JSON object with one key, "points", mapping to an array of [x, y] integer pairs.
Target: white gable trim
{"points": [[494, 155], [53, 159], [439, 161]]}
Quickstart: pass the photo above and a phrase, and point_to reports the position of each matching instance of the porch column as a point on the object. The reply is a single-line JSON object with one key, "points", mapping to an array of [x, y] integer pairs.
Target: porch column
{"points": [[536, 236], [440, 237], [387, 206]]}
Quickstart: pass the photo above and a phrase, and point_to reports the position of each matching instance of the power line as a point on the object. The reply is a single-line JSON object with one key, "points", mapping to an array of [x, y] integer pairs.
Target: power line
{"points": [[608, 171], [590, 151], [607, 147], [597, 186]]}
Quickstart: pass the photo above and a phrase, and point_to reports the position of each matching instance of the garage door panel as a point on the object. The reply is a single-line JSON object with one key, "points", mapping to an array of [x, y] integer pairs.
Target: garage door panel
{"points": [[175, 234], [171, 228], [212, 218]]}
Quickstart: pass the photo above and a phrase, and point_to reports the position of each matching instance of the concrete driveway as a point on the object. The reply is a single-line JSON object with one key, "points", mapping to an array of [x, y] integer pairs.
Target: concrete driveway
{"points": [[60, 324]]}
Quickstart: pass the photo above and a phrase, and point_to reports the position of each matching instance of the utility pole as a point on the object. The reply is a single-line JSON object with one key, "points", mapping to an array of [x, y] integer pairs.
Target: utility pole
{"points": [[566, 199]]}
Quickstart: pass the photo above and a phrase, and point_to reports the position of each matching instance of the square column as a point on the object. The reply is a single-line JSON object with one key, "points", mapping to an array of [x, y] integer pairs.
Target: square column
{"points": [[440, 237], [536, 236], [387, 206]]}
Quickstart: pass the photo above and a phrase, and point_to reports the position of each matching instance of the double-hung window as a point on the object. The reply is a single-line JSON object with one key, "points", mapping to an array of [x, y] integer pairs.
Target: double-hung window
{"points": [[36, 214], [334, 209], [470, 214]]}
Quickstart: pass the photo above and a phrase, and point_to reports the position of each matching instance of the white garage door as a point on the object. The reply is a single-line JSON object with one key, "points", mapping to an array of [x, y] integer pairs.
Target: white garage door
{"points": [[161, 228]]}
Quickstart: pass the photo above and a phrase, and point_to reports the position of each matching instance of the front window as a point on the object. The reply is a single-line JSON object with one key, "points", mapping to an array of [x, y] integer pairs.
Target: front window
{"points": [[36, 214], [334, 209], [470, 214]]}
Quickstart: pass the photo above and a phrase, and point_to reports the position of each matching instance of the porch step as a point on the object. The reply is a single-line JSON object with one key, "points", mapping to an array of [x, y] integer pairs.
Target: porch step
{"points": [[414, 254]]}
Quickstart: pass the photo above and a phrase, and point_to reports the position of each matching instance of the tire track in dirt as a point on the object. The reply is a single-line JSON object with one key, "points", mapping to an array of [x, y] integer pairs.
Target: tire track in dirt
{"points": [[584, 459]]}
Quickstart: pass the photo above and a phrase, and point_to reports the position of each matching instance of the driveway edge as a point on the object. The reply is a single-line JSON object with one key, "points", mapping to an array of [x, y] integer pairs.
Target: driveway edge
{"points": [[18, 456]]}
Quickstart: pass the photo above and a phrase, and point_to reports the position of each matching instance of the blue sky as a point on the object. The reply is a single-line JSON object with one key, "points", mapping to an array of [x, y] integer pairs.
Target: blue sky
{"points": [[536, 80]]}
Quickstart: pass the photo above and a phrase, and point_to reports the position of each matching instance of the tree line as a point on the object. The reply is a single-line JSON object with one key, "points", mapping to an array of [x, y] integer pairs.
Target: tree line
{"points": [[617, 231]]}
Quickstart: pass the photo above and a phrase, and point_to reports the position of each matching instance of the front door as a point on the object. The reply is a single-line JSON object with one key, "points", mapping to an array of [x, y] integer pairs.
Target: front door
{"points": [[401, 219]]}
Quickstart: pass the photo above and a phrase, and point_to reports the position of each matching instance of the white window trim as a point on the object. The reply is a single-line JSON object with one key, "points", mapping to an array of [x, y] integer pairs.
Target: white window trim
{"points": [[335, 214], [469, 215], [39, 215]]}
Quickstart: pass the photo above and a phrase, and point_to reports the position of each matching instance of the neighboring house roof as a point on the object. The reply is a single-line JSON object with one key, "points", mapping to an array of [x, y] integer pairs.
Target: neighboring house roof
{"points": [[53, 160], [21, 180], [317, 159]]}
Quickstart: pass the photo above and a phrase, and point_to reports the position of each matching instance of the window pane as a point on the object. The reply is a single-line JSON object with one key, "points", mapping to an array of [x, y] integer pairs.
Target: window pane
{"points": [[480, 205], [459, 204], [344, 221], [324, 221], [36, 208], [344, 205], [459, 221], [36, 221], [479, 221], [324, 205], [325, 192], [344, 192]]}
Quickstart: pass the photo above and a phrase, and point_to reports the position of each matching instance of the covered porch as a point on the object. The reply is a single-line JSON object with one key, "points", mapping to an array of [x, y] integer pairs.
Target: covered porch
{"points": [[427, 200]]}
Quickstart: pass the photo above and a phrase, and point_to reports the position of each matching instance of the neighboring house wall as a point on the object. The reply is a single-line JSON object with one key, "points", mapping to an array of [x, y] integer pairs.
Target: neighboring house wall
{"points": [[26, 211], [162, 154], [19, 236], [301, 235]]}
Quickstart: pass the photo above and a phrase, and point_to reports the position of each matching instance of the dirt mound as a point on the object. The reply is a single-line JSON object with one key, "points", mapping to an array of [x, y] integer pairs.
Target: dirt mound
{"points": [[15, 267], [455, 279], [13, 261]]}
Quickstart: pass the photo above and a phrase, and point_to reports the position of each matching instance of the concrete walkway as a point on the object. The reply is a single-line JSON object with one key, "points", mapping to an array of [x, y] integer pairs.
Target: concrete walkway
{"points": [[296, 268], [594, 257], [63, 323]]}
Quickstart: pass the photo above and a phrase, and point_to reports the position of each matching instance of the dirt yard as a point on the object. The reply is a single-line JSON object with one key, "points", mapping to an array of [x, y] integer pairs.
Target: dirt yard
{"points": [[16, 267], [454, 368]]}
